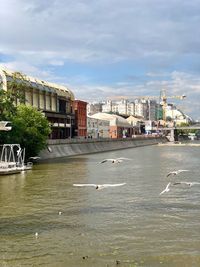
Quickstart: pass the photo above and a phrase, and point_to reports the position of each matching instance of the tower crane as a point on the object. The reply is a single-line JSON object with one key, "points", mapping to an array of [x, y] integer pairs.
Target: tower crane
{"points": [[163, 101]]}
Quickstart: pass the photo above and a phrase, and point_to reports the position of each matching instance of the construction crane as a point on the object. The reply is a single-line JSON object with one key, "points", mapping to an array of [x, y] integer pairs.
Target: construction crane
{"points": [[163, 101]]}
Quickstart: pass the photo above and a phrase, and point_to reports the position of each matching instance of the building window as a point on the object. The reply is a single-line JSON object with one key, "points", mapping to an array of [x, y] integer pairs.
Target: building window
{"points": [[62, 106]]}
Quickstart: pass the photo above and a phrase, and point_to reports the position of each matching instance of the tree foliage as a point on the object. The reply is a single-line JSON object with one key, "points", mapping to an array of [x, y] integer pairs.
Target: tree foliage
{"points": [[30, 129], [185, 131]]}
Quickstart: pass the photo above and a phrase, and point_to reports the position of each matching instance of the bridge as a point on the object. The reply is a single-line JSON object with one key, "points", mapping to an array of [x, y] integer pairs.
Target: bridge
{"points": [[172, 129]]}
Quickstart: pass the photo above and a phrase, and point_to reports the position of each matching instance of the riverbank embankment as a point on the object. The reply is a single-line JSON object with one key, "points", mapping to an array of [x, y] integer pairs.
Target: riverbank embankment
{"points": [[72, 147]]}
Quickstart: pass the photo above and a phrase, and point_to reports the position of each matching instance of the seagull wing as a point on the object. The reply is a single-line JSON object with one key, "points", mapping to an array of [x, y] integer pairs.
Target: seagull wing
{"points": [[182, 171], [193, 183], [170, 173], [177, 183], [176, 172], [123, 159], [105, 160], [166, 189], [82, 185], [112, 185], [186, 183]]}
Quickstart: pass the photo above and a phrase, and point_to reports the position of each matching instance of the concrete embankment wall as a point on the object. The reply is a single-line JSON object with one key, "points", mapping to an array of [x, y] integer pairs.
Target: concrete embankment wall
{"points": [[63, 148]]}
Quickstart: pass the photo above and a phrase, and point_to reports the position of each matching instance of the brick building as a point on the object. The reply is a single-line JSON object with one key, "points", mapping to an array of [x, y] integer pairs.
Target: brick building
{"points": [[80, 110]]}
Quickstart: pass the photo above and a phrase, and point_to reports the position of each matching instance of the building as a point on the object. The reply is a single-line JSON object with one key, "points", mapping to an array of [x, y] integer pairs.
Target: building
{"points": [[141, 108], [131, 109], [121, 107], [54, 100], [176, 115], [80, 110], [108, 106], [93, 108], [152, 110], [137, 123], [97, 127], [109, 126]]}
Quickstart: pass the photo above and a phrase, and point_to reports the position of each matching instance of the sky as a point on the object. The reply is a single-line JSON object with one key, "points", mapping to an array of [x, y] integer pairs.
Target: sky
{"points": [[101, 49]]}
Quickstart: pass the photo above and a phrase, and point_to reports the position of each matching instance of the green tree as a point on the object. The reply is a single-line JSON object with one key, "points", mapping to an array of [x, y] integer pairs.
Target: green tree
{"points": [[183, 131], [30, 129]]}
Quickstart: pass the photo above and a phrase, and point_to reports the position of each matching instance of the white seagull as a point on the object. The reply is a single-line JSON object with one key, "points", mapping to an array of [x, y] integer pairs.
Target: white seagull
{"points": [[187, 183], [117, 160], [176, 172], [166, 189], [99, 186]]}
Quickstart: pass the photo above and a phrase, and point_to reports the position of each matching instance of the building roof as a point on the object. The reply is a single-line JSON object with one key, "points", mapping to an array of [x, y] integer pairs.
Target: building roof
{"points": [[133, 119], [61, 90], [112, 118]]}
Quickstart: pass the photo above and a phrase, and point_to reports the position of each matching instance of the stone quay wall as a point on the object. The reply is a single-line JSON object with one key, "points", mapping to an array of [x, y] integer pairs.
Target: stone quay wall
{"points": [[72, 147]]}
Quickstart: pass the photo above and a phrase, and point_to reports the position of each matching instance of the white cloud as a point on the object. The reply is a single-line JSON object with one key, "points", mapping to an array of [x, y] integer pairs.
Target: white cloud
{"points": [[100, 30], [159, 38], [27, 69]]}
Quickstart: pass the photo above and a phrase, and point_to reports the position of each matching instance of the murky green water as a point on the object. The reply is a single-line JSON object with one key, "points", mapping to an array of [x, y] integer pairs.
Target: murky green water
{"points": [[130, 225]]}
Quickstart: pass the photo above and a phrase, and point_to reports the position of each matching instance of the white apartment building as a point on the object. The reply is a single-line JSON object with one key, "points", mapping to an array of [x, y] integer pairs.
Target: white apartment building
{"points": [[146, 109], [141, 108], [131, 109], [122, 107], [107, 106]]}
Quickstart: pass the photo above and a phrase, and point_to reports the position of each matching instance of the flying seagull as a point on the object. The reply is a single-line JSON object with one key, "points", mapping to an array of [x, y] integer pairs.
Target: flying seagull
{"points": [[176, 172], [187, 183], [166, 189], [99, 186], [117, 160]]}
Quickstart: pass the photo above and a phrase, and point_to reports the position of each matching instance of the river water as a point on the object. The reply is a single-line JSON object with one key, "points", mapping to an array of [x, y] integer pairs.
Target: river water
{"points": [[128, 226]]}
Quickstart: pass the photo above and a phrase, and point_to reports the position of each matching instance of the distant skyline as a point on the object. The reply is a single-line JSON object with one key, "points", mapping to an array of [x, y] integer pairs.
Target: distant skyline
{"points": [[101, 49]]}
